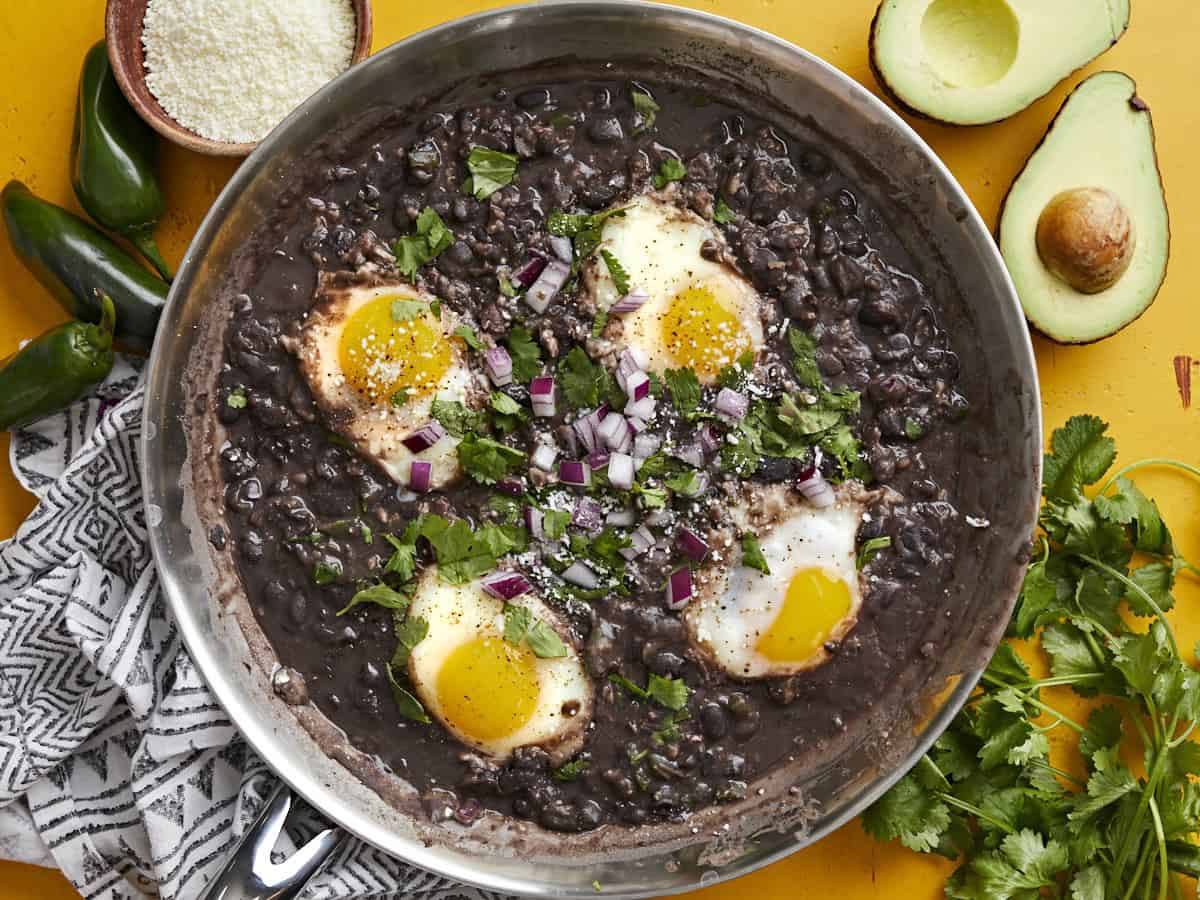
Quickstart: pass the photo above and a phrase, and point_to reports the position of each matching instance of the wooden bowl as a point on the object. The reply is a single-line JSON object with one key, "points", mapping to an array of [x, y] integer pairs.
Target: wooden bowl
{"points": [[123, 20]]}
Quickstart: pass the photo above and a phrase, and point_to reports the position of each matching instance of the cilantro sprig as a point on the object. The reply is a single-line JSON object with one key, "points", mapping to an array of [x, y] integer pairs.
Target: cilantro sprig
{"points": [[988, 793], [490, 171], [431, 238]]}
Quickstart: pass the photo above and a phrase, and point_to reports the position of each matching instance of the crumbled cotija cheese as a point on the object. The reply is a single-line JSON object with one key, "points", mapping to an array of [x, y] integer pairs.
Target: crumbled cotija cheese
{"points": [[231, 70]]}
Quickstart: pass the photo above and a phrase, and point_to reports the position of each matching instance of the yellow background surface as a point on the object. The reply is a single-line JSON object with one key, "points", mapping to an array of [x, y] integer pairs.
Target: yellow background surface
{"points": [[1128, 379]]}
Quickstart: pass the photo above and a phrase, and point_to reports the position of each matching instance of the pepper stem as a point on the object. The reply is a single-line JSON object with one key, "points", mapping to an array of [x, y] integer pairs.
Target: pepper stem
{"points": [[103, 336], [144, 241]]}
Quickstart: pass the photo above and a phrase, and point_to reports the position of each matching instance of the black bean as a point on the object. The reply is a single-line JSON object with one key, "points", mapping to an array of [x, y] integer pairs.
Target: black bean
{"points": [[532, 99], [605, 130], [713, 722]]}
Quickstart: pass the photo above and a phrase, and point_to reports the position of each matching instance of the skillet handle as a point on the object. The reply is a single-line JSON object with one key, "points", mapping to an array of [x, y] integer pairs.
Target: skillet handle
{"points": [[249, 874]]}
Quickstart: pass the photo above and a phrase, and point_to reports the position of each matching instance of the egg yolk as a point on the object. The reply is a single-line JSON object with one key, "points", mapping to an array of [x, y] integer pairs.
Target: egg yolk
{"points": [[488, 688], [383, 353], [700, 333], [813, 607]]}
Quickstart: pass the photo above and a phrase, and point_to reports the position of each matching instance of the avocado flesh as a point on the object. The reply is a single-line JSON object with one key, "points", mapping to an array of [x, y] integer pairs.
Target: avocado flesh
{"points": [[971, 62], [1103, 137]]}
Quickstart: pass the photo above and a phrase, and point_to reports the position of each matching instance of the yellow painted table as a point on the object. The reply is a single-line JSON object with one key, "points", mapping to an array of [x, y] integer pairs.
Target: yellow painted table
{"points": [[1129, 379]]}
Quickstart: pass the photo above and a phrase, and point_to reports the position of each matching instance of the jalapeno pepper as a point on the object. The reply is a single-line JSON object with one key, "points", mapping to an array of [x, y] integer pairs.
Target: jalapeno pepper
{"points": [[56, 369], [113, 154], [74, 260]]}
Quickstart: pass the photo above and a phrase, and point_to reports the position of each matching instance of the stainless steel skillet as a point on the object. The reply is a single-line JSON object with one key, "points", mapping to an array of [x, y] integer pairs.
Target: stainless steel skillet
{"points": [[798, 804]]}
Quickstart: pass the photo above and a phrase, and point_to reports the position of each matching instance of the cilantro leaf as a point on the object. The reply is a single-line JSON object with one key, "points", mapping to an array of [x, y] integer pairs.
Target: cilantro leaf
{"points": [[572, 770], [406, 704], [467, 333], [555, 522], [456, 418], [517, 620], [571, 225], [586, 384], [400, 398], [804, 358], [752, 555], [1103, 731], [688, 483], [685, 390], [490, 171], [236, 399], [669, 692], [909, 812], [1080, 455], [415, 250], [403, 558], [722, 214], [526, 354], [544, 641], [644, 106], [325, 572], [669, 170], [628, 686], [871, 548], [486, 460], [410, 631], [620, 277], [406, 310], [380, 595], [509, 415]]}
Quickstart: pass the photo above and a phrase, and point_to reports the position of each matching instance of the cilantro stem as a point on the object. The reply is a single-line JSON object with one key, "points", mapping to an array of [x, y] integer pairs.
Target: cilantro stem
{"points": [[1161, 838], [1135, 823], [975, 811], [1144, 463], [1143, 858], [1036, 704], [1137, 589], [1042, 764]]}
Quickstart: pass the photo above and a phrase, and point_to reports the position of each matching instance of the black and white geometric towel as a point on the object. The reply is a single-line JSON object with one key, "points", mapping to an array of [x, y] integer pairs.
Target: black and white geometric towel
{"points": [[116, 763]]}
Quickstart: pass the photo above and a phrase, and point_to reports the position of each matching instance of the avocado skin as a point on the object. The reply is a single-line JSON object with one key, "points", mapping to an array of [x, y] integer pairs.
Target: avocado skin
{"points": [[890, 92], [1141, 106]]}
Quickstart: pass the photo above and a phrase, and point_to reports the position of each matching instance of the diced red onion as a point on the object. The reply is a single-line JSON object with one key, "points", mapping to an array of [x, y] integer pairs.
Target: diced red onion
{"points": [[527, 273], [815, 488], [548, 284], [534, 519], [692, 545], [631, 302], [690, 454], [588, 514], [562, 248], [575, 472], [710, 439], [622, 518], [598, 459], [580, 575], [514, 487], [636, 424], [620, 471], [679, 588], [425, 437], [506, 585], [645, 445], [420, 476], [585, 432], [640, 541], [641, 409], [541, 396], [543, 457], [498, 365], [631, 361], [732, 404], [637, 386], [611, 430]]}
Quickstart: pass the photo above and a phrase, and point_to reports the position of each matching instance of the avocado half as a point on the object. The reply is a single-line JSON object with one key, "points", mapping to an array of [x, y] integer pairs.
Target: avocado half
{"points": [[972, 62], [1098, 152]]}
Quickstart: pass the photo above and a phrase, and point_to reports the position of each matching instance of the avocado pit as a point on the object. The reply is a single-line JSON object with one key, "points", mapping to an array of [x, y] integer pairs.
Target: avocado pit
{"points": [[1086, 237]]}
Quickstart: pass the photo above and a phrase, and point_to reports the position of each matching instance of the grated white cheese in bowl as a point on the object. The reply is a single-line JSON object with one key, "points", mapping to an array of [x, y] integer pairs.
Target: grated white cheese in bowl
{"points": [[231, 70]]}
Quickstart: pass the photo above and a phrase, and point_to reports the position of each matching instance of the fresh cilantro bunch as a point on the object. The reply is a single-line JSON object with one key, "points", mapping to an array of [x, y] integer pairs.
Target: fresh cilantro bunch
{"points": [[988, 794]]}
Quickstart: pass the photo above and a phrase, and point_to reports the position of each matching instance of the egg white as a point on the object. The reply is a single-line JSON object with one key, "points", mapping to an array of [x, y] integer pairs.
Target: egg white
{"points": [[458, 614], [658, 245], [736, 605], [378, 429]]}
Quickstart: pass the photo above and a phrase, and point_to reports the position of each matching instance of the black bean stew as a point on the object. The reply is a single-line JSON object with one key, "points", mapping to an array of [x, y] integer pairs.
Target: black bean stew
{"points": [[307, 514]]}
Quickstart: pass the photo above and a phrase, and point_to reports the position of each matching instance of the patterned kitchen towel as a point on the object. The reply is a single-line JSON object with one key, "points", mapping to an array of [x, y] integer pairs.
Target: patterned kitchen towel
{"points": [[116, 763]]}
